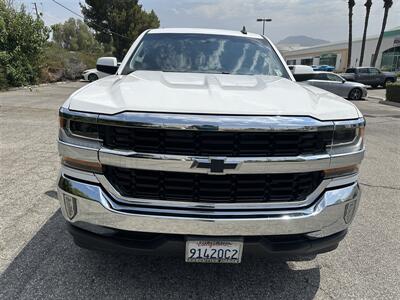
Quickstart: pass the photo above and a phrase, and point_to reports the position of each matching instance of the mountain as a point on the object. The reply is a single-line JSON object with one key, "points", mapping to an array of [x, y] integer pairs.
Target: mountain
{"points": [[302, 41]]}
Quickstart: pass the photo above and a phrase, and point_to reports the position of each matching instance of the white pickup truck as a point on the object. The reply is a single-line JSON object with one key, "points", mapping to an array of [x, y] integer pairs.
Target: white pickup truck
{"points": [[202, 145]]}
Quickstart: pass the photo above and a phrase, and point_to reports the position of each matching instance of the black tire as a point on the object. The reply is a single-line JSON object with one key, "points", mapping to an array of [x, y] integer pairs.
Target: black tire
{"points": [[355, 94], [93, 77], [374, 86], [386, 81]]}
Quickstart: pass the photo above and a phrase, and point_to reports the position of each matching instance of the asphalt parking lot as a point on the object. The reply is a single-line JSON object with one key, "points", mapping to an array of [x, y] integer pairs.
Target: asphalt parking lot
{"points": [[39, 260]]}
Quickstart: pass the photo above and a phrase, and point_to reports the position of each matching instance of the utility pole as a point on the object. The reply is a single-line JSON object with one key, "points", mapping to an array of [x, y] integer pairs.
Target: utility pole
{"points": [[263, 20], [36, 10]]}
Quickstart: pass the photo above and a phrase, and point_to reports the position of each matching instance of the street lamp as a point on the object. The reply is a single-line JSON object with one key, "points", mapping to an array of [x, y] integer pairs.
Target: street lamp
{"points": [[263, 20]]}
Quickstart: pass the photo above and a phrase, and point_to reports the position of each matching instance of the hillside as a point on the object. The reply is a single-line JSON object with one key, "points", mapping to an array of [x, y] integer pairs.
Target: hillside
{"points": [[302, 41]]}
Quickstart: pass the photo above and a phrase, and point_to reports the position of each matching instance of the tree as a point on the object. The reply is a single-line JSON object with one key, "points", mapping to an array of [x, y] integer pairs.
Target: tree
{"points": [[22, 39], [118, 22], [387, 5], [75, 35], [351, 4], [367, 5]]}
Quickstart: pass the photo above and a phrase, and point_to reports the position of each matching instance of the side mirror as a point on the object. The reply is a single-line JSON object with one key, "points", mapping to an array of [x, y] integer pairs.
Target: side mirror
{"points": [[107, 65], [343, 80]]}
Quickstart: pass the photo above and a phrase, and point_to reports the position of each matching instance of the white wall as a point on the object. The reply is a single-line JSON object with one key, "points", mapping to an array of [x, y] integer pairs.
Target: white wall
{"points": [[370, 46], [338, 61]]}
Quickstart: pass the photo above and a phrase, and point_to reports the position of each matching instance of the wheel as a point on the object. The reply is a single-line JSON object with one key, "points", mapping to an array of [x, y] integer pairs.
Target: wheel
{"points": [[92, 77], [355, 94], [374, 86], [386, 81]]}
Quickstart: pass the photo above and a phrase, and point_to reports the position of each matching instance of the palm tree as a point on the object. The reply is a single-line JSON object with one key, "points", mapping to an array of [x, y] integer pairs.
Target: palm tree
{"points": [[351, 4], [387, 5], [367, 5]]}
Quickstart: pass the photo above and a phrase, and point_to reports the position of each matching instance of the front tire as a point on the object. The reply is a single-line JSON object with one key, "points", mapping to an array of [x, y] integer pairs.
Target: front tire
{"points": [[93, 77], [355, 94]]}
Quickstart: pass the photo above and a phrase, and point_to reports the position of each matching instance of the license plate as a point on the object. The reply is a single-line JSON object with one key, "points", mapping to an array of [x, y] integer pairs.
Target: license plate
{"points": [[214, 251]]}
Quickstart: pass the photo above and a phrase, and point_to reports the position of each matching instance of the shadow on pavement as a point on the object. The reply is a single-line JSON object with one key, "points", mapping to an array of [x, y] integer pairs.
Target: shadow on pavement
{"points": [[51, 266], [52, 194]]}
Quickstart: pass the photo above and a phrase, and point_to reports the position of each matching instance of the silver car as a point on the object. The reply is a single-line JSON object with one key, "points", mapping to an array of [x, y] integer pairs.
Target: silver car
{"points": [[334, 83]]}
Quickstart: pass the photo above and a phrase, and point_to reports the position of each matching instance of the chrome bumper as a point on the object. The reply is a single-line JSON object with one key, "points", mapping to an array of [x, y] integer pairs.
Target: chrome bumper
{"points": [[180, 163], [330, 213]]}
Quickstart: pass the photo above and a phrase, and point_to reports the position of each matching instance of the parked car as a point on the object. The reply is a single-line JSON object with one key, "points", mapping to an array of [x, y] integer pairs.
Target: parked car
{"points": [[93, 74], [369, 76], [202, 145], [323, 68], [300, 69], [334, 83]]}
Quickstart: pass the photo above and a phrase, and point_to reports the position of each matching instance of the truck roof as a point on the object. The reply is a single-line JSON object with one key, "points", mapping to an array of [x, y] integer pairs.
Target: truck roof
{"points": [[361, 67], [205, 31]]}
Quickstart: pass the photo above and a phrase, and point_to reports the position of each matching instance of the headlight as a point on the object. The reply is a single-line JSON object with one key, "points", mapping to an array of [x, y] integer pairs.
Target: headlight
{"points": [[83, 130], [79, 137], [81, 127], [348, 136]]}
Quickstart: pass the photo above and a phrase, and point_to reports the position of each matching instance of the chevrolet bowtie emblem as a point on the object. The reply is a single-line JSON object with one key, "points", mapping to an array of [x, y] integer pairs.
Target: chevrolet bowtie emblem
{"points": [[215, 165]]}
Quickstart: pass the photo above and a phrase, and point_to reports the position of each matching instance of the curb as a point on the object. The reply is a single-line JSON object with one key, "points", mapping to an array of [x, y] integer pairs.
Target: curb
{"points": [[380, 99], [391, 103]]}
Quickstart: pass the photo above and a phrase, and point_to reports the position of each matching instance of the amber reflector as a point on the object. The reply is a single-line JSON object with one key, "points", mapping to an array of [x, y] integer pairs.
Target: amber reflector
{"points": [[63, 122], [341, 171]]}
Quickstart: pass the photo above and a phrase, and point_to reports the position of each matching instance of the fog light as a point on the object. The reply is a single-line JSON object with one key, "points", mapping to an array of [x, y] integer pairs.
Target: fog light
{"points": [[349, 210], [70, 206]]}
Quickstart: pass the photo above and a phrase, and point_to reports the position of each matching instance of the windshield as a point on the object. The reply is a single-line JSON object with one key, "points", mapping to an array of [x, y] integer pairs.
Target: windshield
{"points": [[201, 53]]}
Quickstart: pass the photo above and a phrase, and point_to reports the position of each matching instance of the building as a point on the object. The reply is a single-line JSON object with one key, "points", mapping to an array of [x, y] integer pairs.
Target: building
{"points": [[336, 54]]}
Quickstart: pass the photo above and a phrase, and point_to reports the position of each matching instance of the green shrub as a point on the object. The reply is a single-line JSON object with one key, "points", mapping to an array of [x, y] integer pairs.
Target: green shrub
{"points": [[3, 79], [393, 92], [21, 43], [61, 64]]}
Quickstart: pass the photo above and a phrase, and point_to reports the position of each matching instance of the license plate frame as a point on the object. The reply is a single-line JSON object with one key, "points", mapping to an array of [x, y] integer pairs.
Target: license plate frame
{"points": [[214, 250]]}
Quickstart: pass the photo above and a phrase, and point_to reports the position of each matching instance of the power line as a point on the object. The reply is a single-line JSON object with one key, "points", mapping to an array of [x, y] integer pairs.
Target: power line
{"points": [[58, 20], [80, 16]]}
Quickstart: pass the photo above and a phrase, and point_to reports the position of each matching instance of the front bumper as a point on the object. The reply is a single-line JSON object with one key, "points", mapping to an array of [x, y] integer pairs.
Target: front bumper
{"points": [[287, 247], [92, 204], [364, 92]]}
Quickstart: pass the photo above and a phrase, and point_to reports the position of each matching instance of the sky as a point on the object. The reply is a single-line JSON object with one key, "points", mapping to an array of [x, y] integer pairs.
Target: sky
{"points": [[325, 19]]}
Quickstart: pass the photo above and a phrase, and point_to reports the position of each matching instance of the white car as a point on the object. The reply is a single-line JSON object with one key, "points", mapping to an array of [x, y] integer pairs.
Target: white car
{"points": [[300, 69], [203, 146], [93, 74]]}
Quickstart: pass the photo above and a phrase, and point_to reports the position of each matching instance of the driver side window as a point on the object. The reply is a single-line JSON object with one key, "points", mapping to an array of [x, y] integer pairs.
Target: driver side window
{"points": [[320, 76], [333, 77], [373, 71]]}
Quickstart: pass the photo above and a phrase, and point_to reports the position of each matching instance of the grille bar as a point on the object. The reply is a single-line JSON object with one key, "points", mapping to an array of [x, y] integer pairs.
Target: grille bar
{"points": [[215, 143], [192, 187]]}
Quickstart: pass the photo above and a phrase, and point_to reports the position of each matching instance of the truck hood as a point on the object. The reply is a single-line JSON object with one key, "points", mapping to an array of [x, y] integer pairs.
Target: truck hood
{"points": [[196, 93]]}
